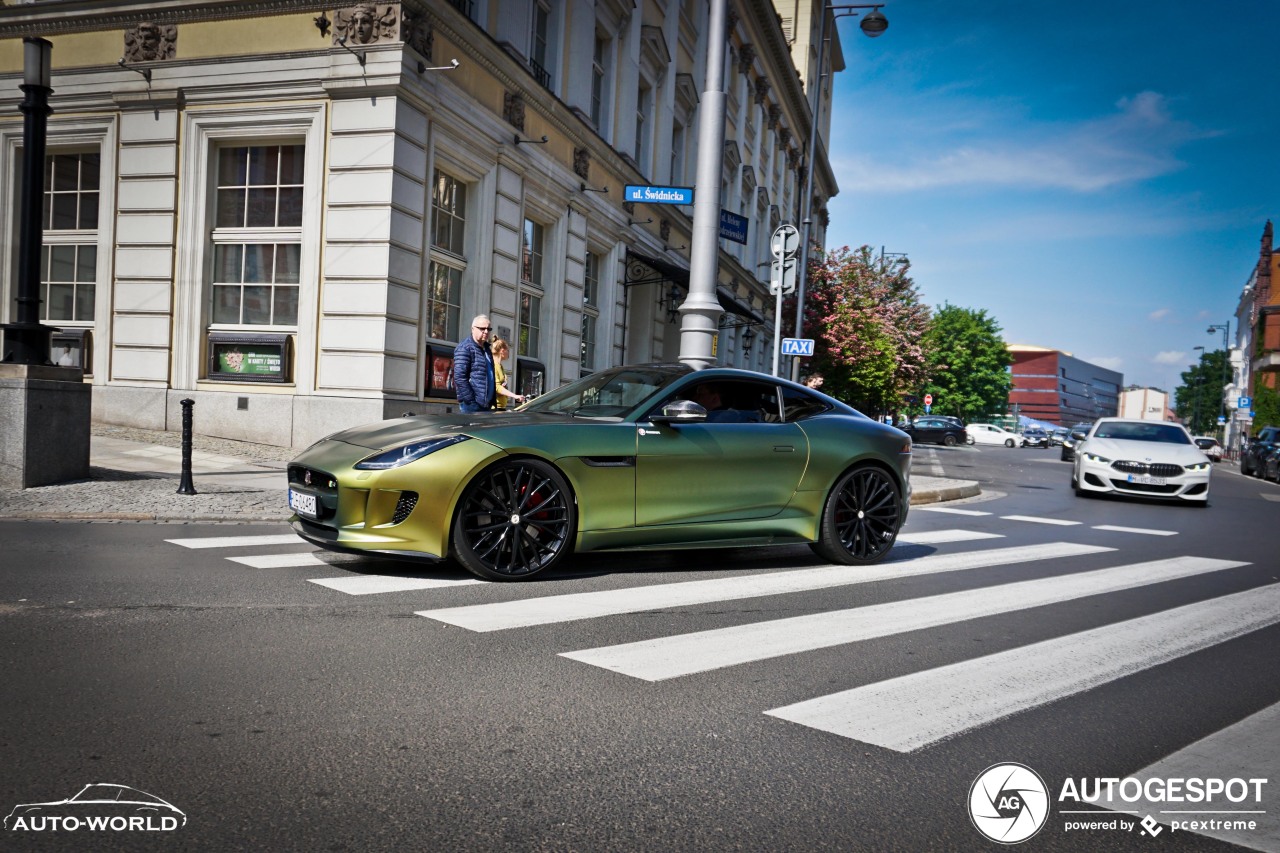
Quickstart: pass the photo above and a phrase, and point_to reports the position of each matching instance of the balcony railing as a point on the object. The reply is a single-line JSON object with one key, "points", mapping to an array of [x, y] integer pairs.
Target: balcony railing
{"points": [[542, 75], [466, 7]]}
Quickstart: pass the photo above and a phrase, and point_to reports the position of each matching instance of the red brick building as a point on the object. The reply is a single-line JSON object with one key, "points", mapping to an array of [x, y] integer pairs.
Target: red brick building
{"points": [[1054, 386]]}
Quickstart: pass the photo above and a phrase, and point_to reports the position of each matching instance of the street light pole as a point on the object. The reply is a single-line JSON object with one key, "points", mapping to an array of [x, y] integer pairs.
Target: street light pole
{"points": [[1195, 377], [27, 340], [1226, 360], [873, 24]]}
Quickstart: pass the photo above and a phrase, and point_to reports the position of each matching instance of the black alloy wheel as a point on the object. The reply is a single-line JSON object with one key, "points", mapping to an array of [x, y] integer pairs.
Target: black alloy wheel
{"points": [[949, 440], [515, 520], [861, 518]]}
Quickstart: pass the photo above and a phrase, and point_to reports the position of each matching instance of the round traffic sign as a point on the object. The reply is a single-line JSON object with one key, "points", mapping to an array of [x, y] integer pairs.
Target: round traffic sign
{"points": [[928, 399]]}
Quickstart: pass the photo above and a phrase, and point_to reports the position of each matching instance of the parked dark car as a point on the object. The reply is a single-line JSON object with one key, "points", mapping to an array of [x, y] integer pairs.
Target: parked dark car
{"points": [[1035, 437], [1074, 436], [932, 429], [1253, 456], [1271, 465]]}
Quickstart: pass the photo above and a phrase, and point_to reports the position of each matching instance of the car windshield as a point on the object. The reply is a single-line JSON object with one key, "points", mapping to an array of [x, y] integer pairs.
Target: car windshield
{"points": [[98, 792], [1162, 433], [1206, 443], [610, 393]]}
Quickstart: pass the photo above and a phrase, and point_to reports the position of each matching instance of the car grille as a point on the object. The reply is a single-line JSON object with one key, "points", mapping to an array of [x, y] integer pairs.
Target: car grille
{"points": [[320, 483], [404, 506], [1159, 469], [1125, 485]]}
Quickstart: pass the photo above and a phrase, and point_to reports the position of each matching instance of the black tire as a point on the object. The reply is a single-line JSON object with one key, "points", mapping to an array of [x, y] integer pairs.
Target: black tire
{"points": [[949, 440], [515, 520], [861, 518], [1009, 442]]}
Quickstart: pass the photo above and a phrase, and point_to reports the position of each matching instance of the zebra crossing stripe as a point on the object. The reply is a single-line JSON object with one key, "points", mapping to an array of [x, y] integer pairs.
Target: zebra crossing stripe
{"points": [[914, 711], [1038, 520], [374, 584], [671, 657], [284, 561], [1145, 530], [939, 537], [948, 509], [238, 541], [587, 605], [1247, 750]]}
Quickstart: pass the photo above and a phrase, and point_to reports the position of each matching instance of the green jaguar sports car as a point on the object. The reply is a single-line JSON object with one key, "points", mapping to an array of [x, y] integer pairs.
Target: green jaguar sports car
{"points": [[651, 456]]}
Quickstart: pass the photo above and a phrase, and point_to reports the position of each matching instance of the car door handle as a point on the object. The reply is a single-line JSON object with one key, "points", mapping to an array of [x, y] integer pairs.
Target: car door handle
{"points": [[783, 448]]}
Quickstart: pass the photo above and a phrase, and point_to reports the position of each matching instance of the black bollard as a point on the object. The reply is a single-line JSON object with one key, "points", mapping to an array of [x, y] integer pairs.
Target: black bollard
{"points": [[186, 487]]}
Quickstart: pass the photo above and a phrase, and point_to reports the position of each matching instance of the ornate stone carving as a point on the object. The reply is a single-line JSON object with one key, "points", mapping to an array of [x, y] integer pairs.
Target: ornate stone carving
{"points": [[513, 109], [784, 137], [730, 21], [746, 56], [774, 113], [582, 163], [762, 89], [664, 230], [629, 207], [416, 32], [367, 23], [150, 41]]}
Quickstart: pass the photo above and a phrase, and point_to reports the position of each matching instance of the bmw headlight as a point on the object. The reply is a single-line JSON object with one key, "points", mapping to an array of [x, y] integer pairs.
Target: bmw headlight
{"points": [[1093, 457], [397, 456], [1199, 466]]}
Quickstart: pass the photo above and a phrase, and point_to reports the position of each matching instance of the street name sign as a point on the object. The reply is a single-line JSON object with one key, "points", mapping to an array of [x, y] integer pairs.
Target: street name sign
{"points": [[658, 195], [733, 227], [797, 346]]}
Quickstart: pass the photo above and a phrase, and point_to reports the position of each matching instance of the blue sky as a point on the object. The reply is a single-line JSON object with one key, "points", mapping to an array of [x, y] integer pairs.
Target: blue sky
{"points": [[1096, 176]]}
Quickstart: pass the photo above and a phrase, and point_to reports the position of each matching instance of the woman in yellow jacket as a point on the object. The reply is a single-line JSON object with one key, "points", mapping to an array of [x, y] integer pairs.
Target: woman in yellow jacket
{"points": [[501, 350]]}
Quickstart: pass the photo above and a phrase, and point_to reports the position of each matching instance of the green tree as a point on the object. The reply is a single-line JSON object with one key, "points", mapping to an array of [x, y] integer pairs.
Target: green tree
{"points": [[1266, 405], [1198, 400], [968, 363], [868, 326]]}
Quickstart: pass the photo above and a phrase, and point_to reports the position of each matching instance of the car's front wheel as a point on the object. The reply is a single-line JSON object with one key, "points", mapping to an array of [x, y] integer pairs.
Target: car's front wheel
{"points": [[1009, 442], [861, 518], [515, 520]]}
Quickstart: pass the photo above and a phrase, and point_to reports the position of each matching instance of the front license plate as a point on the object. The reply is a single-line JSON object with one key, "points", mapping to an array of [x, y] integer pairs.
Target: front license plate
{"points": [[1147, 481], [302, 503]]}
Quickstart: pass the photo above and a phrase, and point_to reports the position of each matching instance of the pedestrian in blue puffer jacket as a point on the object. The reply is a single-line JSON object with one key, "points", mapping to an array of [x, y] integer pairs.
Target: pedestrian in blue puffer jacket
{"points": [[473, 369]]}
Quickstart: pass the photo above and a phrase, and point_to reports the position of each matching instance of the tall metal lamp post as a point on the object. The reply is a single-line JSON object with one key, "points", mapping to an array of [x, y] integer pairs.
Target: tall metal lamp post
{"points": [[27, 340], [1226, 361], [1195, 408], [873, 24]]}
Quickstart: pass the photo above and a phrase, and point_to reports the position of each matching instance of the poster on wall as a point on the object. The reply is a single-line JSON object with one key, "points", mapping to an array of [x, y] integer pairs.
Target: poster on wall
{"points": [[440, 372], [246, 358]]}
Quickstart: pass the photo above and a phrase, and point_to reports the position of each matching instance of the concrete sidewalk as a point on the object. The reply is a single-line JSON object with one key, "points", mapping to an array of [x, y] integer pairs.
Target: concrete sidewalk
{"points": [[134, 476]]}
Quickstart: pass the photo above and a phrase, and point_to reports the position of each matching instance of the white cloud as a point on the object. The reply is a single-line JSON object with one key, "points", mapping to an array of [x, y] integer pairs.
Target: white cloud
{"points": [[1170, 357], [1158, 314]]}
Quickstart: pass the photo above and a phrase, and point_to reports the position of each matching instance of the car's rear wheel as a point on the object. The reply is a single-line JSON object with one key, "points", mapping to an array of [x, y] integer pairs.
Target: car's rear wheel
{"points": [[515, 520], [861, 518], [949, 440]]}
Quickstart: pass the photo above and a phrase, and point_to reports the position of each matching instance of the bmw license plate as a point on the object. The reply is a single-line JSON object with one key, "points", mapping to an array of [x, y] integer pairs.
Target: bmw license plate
{"points": [[1147, 481], [302, 503]]}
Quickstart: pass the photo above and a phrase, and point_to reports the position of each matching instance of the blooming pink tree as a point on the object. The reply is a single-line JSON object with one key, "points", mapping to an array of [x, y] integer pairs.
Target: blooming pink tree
{"points": [[868, 326]]}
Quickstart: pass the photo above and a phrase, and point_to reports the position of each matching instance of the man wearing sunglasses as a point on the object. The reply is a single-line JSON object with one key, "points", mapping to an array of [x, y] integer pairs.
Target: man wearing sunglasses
{"points": [[473, 369]]}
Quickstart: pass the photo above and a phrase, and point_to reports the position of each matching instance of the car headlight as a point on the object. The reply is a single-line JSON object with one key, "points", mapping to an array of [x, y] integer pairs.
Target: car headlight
{"points": [[1093, 457], [1199, 466], [397, 456]]}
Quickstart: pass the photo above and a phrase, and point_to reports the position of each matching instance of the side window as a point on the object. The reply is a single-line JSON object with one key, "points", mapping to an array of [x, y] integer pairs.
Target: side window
{"points": [[798, 405], [732, 401]]}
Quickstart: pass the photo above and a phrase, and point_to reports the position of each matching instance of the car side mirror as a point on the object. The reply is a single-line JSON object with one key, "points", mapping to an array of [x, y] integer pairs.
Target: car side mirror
{"points": [[680, 412]]}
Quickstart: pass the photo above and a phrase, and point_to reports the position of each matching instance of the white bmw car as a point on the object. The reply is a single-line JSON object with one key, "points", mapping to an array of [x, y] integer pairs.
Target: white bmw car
{"points": [[991, 434], [1149, 459]]}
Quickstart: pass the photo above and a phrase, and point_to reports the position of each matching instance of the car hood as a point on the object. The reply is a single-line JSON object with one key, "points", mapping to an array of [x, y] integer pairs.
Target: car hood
{"points": [[383, 435], [1142, 451]]}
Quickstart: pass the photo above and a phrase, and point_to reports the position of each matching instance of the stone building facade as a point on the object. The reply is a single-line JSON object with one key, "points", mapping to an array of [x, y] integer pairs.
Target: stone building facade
{"points": [[289, 211]]}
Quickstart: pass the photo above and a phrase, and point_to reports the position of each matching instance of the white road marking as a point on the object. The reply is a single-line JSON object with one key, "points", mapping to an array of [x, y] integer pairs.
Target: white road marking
{"points": [[1037, 520], [1247, 750], [587, 605], [239, 541], [914, 711], [671, 657], [938, 537], [284, 561], [952, 510], [374, 584], [1135, 530]]}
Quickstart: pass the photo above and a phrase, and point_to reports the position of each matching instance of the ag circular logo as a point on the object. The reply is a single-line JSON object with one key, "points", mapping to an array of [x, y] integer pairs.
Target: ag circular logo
{"points": [[1008, 803]]}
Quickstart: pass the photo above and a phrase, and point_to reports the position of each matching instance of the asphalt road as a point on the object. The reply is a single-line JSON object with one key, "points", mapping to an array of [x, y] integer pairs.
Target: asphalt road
{"points": [[280, 713]]}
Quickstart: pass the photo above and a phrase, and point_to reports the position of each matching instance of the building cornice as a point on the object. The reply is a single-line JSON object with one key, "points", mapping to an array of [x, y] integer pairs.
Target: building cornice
{"points": [[56, 17]]}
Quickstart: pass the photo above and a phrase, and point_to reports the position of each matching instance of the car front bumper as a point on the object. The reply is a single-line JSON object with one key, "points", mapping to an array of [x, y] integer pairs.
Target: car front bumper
{"points": [[1104, 477]]}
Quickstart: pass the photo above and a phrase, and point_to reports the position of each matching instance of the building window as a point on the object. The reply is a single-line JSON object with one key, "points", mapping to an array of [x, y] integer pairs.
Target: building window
{"points": [[643, 108], [590, 312], [540, 49], [257, 235], [598, 71], [448, 261], [69, 256], [532, 250]]}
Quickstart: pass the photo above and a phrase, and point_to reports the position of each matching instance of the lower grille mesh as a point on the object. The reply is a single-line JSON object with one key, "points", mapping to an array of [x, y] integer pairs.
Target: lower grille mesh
{"points": [[404, 506]]}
